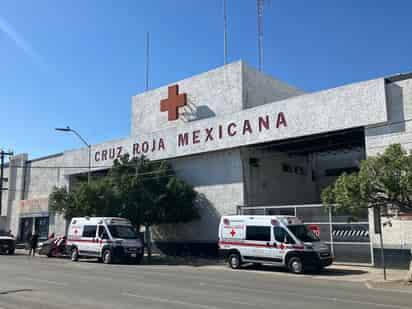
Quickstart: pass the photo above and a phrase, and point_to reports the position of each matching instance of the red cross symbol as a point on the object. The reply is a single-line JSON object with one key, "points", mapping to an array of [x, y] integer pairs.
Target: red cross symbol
{"points": [[282, 246], [75, 232], [173, 102], [233, 233]]}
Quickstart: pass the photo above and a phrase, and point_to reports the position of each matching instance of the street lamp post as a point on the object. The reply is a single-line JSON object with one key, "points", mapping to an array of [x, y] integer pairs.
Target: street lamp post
{"points": [[68, 129]]}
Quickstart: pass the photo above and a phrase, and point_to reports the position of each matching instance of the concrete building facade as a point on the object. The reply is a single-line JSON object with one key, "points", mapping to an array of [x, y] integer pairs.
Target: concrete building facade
{"points": [[239, 137]]}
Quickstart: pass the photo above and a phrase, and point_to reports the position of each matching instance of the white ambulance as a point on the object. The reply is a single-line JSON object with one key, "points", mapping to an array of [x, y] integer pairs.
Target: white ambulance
{"points": [[274, 240], [108, 239]]}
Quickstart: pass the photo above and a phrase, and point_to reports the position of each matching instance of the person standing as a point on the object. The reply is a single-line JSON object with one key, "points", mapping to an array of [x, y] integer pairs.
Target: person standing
{"points": [[33, 243]]}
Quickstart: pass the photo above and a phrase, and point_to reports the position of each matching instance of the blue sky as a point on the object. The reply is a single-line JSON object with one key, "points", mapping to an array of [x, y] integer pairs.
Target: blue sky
{"points": [[78, 62]]}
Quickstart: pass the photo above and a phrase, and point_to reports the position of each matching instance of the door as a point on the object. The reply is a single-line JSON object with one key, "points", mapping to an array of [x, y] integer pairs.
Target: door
{"points": [[26, 229], [282, 240], [102, 237], [89, 244], [258, 243], [41, 227]]}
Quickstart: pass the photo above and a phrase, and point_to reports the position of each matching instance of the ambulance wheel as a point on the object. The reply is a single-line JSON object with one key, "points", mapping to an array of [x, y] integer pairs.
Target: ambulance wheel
{"points": [[295, 265], [107, 257], [234, 261], [74, 255]]}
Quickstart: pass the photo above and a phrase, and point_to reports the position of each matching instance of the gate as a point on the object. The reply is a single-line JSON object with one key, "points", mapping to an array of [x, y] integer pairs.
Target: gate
{"points": [[348, 241]]}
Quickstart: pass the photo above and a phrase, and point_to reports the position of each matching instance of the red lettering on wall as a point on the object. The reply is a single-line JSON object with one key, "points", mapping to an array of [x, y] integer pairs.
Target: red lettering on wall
{"points": [[183, 139], [161, 144], [281, 120], [145, 147], [104, 155], [246, 127], [153, 145], [209, 135], [119, 151], [195, 137], [136, 150], [264, 123], [97, 156], [220, 132], [231, 129], [112, 153]]}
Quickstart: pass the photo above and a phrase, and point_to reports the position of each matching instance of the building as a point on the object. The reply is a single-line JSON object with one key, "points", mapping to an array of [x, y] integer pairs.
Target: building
{"points": [[241, 138]]}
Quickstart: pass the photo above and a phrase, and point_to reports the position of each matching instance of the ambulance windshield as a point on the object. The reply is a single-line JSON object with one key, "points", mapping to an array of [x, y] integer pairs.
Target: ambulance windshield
{"points": [[303, 233], [122, 231]]}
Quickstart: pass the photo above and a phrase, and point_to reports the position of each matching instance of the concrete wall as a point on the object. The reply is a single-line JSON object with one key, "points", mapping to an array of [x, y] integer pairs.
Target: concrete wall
{"points": [[259, 89], [4, 203], [398, 236], [336, 159], [399, 127], [32, 180], [268, 184], [217, 177], [214, 93]]}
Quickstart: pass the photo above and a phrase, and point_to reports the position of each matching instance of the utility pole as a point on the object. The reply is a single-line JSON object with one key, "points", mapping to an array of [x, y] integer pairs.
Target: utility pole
{"points": [[2, 179], [224, 32]]}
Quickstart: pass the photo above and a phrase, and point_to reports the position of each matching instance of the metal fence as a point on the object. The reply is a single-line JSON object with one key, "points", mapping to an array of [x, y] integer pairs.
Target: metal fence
{"points": [[348, 241]]}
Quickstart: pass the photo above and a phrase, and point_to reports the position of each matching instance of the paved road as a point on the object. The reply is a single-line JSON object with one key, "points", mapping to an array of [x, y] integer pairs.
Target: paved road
{"points": [[55, 283]]}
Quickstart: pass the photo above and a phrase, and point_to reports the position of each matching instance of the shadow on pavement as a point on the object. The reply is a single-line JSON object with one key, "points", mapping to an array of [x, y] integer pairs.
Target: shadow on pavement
{"points": [[326, 272]]}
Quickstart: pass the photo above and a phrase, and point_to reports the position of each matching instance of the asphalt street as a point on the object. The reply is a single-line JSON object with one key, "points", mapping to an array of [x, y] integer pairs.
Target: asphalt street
{"points": [[38, 282]]}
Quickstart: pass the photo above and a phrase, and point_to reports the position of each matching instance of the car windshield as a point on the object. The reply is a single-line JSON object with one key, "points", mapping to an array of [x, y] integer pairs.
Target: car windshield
{"points": [[122, 231], [303, 233]]}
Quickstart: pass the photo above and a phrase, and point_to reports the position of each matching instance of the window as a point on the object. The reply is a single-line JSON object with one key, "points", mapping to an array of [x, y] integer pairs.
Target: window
{"points": [[123, 231], [282, 236], [303, 233], [102, 232], [89, 231], [261, 233]]}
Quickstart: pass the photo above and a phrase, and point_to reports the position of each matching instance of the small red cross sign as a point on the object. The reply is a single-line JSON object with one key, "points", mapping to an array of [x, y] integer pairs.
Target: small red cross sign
{"points": [[233, 233], [75, 232], [173, 102]]}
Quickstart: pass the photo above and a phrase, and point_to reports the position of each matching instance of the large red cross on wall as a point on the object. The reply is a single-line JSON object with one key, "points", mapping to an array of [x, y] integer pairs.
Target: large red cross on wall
{"points": [[173, 102]]}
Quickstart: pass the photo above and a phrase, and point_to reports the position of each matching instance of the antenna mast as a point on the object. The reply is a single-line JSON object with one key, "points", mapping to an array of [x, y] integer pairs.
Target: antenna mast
{"points": [[147, 60], [260, 32], [224, 32]]}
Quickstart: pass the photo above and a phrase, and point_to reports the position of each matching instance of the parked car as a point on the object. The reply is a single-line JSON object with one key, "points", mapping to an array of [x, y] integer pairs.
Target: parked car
{"points": [[7, 242], [273, 240], [108, 239]]}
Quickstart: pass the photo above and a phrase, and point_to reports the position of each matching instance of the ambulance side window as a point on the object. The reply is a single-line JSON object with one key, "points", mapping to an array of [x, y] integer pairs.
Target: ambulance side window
{"points": [[282, 236], [261, 233], [89, 231]]}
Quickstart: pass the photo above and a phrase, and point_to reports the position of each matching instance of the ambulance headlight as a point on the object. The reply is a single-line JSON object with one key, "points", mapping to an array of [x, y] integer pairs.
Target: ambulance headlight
{"points": [[308, 247], [118, 242]]}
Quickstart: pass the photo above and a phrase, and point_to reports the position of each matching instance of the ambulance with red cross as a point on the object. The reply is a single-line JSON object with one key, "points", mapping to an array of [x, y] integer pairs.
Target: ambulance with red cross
{"points": [[108, 239], [274, 240]]}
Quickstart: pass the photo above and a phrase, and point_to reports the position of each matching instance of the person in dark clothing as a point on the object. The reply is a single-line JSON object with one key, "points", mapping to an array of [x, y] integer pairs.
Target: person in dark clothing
{"points": [[33, 243]]}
